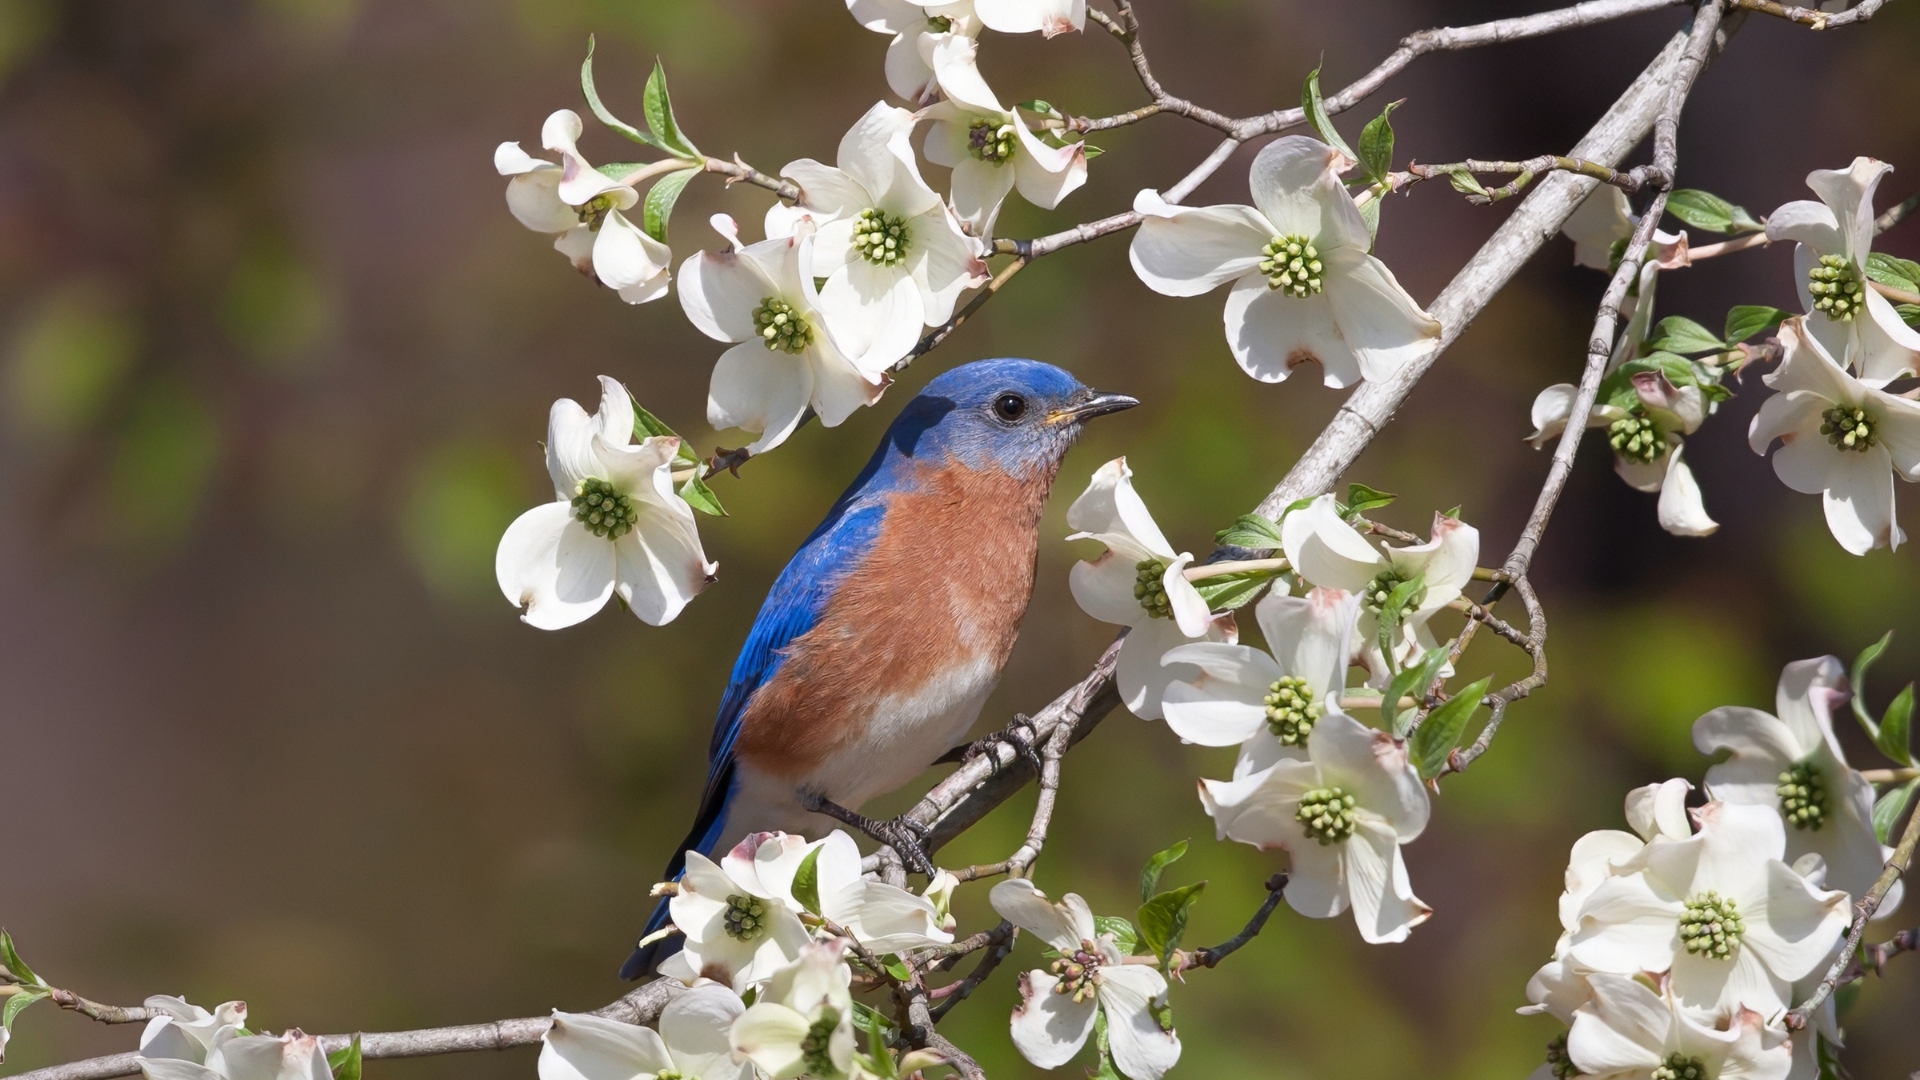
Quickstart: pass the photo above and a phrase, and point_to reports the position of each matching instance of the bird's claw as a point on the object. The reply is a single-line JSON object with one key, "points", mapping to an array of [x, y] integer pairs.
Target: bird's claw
{"points": [[1020, 734], [905, 836]]}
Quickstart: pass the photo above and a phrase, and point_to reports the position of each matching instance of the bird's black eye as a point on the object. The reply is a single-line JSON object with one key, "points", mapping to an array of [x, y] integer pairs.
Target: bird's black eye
{"points": [[1009, 407]]}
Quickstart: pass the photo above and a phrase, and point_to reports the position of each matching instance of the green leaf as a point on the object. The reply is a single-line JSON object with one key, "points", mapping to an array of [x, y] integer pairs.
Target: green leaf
{"points": [[1395, 609], [1466, 183], [877, 1053], [1858, 678], [1229, 591], [606, 116], [1679, 334], [1746, 320], [345, 1062], [619, 170], [1361, 498], [11, 957], [660, 199], [648, 426], [1150, 874], [701, 497], [1827, 1056], [1909, 313], [806, 882], [1440, 732], [1705, 210], [1250, 531], [1370, 213], [17, 1004], [1104, 1070], [1297, 504], [1413, 679], [869, 1018], [660, 115], [897, 968], [1895, 723], [1903, 274], [1125, 937], [1316, 111], [1889, 807], [1163, 919], [1376, 145]]}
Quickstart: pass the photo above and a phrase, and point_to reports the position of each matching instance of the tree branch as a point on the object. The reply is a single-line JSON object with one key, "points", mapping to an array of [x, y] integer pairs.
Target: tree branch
{"points": [[1813, 18], [1206, 958]]}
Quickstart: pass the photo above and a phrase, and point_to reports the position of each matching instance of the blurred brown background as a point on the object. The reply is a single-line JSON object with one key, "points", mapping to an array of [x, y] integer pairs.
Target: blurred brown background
{"points": [[276, 360]]}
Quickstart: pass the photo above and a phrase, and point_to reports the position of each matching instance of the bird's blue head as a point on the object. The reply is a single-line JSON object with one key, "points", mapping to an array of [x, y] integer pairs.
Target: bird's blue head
{"points": [[1013, 415]]}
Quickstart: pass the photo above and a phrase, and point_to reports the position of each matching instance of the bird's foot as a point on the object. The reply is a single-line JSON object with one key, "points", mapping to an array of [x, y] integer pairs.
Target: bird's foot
{"points": [[904, 835], [1020, 734]]}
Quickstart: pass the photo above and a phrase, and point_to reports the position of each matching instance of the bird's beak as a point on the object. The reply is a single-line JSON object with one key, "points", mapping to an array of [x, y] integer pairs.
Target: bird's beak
{"points": [[1096, 403]]}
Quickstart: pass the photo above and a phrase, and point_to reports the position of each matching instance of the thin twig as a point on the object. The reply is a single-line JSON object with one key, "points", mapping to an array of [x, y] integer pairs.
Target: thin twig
{"points": [[106, 1014], [997, 952], [739, 172], [1862, 912], [1812, 18], [1206, 958]]}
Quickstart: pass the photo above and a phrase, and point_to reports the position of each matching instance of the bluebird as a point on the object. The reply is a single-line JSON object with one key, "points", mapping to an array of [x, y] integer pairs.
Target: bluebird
{"points": [[882, 638]]}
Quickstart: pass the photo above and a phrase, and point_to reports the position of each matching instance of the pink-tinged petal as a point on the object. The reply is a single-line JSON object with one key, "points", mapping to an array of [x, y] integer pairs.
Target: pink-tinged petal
{"points": [[1384, 907], [1859, 500], [1447, 560], [1138, 673], [759, 390], [1047, 174], [580, 1046], [1187, 251], [1374, 769], [827, 190], [1050, 1028], [1379, 322], [1326, 551], [580, 182], [1793, 416], [1886, 348], [839, 386], [1600, 220], [1805, 364], [1552, 408], [1020, 903], [1682, 509], [1311, 636], [1849, 192], [550, 564], [1296, 184], [1050, 17], [1804, 697], [1810, 223], [1272, 333], [1624, 1032], [696, 1027], [1141, 1048], [720, 291], [629, 261]]}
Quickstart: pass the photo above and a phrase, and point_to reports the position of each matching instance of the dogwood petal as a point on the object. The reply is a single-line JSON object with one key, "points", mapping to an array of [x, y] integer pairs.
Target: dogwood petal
{"points": [[1806, 364], [955, 61], [1050, 1028], [1849, 192], [580, 182], [1885, 348], [1141, 1048], [548, 562], [1625, 1031], [1025, 906], [1602, 219], [1447, 560], [1296, 184], [1047, 174], [1384, 907], [697, 1026], [1272, 333], [839, 387], [580, 1046], [1795, 418], [1326, 551], [1713, 985], [943, 262], [629, 261], [1552, 408], [875, 313], [1372, 767], [1311, 636], [979, 187], [533, 196], [1187, 251], [1626, 927], [720, 291], [1050, 17], [1113, 513], [760, 390], [1223, 706], [1682, 510], [1138, 672], [875, 153], [660, 565], [769, 1035], [1810, 223], [1859, 500], [1378, 321], [1793, 925], [1183, 600]]}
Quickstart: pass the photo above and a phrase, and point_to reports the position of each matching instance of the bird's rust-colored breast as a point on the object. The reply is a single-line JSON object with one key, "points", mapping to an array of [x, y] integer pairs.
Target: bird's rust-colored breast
{"points": [[946, 582]]}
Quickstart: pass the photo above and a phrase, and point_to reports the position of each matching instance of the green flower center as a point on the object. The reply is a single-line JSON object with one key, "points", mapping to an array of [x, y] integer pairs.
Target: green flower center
{"points": [[1848, 427], [939, 24], [1378, 591], [782, 328], [1803, 797], [593, 212], [1711, 926], [604, 510], [1292, 265], [1327, 814], [881, 238], [1635, 438], [745, 917], [815, 1048], [1079, 974], [1557, 1058], [1150, 588], [669, 1074], [1837, 291], [1291, 709], [991, 140], [1681, 1067]]}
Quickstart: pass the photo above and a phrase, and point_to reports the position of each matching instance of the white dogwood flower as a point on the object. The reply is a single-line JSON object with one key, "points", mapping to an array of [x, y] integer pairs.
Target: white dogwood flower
{"points": [[616, 525], [885, 918], [989, 147], [1858, 327], [1791, 760], [1732, 922], [1602, 223], [888, 246], [1057, 1006], [584, 208], [788, 355], [1267, 701], [1840, 436], [1050, 17], [1328, 552], [247, 1057], [1305, 288], [917, 29], [1629, 1032], [803, 1022], [739, 930], [692, 1043], [186, 1031], [1138, 582], [1341, 815]]}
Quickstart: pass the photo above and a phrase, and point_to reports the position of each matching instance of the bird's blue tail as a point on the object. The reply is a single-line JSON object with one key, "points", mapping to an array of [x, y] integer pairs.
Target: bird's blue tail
{"points": [[703, 838]]}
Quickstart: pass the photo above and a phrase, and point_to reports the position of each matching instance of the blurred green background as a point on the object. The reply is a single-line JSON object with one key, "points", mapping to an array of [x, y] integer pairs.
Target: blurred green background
{"points": [[274, 361]]}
